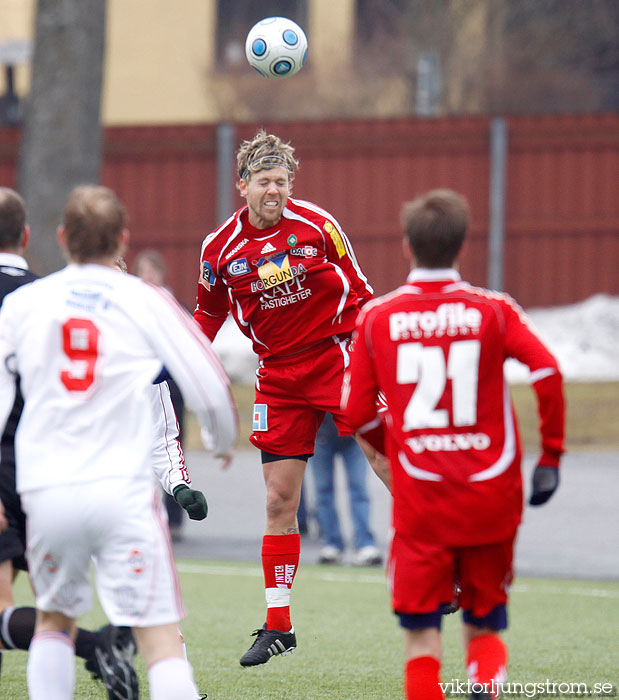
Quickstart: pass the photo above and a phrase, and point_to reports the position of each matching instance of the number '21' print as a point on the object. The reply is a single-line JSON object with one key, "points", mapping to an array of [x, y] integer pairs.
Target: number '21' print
{"points": [[427, 367], [80, 342]]}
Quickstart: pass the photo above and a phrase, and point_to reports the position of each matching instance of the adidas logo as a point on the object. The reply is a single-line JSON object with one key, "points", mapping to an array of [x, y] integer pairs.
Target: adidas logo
{"points": [[268, 248]]}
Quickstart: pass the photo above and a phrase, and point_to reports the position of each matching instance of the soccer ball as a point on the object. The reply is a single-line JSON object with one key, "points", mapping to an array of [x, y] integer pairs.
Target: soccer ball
{"points": [[276, 47]]}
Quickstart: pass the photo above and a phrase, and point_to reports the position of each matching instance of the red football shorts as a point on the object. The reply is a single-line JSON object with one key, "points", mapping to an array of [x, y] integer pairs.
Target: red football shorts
{"points": [[292, 395], [422, 575]]}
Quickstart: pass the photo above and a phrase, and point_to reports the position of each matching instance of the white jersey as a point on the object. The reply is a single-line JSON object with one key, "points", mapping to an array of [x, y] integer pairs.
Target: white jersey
{"points": [[88, 342]]}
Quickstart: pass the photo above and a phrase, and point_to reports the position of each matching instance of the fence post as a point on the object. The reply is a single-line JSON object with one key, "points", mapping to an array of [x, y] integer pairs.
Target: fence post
{"points": [[496, 203], [224, 149]]}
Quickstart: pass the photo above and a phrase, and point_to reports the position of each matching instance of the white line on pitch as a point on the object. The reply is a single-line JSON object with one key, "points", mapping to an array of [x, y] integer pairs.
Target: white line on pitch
{"points": [[336, 577]]}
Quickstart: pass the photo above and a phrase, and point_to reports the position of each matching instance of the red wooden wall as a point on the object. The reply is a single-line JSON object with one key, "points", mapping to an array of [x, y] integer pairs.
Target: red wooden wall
{"points": [[562, 205], [562, 208]]}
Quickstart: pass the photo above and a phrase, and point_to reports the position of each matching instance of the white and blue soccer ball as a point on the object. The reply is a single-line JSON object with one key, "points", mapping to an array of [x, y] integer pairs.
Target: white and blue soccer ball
{"points": [[276, 47]]}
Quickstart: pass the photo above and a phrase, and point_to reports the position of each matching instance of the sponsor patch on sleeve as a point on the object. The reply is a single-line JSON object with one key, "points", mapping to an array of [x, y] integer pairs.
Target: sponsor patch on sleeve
{"points": [[207, 278], [336, 238]]}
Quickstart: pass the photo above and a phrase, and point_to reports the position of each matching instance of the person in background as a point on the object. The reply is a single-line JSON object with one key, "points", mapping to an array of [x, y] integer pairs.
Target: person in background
{"points": [[303, 514], [436, 348], [88, 342], [330, 445], [150, 266]]}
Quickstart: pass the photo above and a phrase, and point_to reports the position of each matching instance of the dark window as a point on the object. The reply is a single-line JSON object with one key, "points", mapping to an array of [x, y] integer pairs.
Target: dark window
{"points": [[376, 18]]}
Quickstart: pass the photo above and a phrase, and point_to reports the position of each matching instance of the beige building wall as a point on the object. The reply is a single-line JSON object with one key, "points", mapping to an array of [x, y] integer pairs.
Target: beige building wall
{"points": [[468, 57], [159, 57], [16, 25], [157, 61], [332, 31]]}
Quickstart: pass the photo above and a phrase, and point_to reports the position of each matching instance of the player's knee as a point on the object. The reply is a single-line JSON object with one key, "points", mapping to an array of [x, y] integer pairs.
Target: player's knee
{"points": [[55, 622], [6, 595], [6, 600], [281, 502], [423, 641]]}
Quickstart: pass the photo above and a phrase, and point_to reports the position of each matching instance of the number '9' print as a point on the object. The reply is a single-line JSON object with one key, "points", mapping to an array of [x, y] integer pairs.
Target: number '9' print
{"points": [[80, 343]]}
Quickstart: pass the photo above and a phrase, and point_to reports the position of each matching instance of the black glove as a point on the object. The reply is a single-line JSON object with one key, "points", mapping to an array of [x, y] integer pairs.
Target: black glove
{"points": [[544, 483], [192, 501], [454, 606]]}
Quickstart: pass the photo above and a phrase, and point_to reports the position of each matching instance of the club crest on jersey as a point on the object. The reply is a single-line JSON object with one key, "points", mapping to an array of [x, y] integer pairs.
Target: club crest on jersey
{"points": [[238, 267], [50, 563], [336, 238], [136, 562], [207, 278], [292, 239]]}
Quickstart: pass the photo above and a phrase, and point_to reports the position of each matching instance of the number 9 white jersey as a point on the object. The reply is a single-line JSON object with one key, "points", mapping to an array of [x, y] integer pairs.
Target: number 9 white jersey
{"points": [[88, 342]]}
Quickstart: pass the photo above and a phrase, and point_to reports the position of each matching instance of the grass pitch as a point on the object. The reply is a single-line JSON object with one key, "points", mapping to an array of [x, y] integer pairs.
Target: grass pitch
{"points": [[350, 646]]}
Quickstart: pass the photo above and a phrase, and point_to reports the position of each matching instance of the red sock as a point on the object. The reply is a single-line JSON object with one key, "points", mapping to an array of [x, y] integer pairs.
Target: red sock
{"points": [[280, 559], [421, 679], [486, 661]]}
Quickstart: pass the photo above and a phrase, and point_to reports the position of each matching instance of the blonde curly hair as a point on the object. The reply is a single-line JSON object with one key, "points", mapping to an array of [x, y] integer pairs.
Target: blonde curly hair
{"points": [[265, 151]]}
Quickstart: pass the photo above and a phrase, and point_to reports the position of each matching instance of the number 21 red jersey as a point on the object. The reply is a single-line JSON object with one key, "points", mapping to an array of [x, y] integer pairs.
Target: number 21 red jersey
{"points": [[436, 348]]}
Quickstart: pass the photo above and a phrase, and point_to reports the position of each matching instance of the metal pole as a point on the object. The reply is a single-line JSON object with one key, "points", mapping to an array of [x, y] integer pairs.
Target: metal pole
{"points": [[224, 147], [428, 84], [498, 183]]}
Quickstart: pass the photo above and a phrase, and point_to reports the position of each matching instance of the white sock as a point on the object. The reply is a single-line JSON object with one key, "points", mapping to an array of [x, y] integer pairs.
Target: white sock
{"points": [[171, 679], [51, 667], [183, 645], [184, 648]]}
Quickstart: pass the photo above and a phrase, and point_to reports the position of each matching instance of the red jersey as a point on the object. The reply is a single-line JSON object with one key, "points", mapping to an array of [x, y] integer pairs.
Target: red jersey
{"points": [[288, 286], [436, 348]]}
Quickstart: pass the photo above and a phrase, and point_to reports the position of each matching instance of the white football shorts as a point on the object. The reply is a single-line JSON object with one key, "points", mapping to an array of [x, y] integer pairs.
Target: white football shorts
{"points": [[123, 527]]}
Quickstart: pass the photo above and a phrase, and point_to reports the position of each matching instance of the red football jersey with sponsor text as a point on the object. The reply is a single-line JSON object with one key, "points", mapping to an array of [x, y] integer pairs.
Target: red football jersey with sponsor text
{"points": [[288, 286], [436, 348]]}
